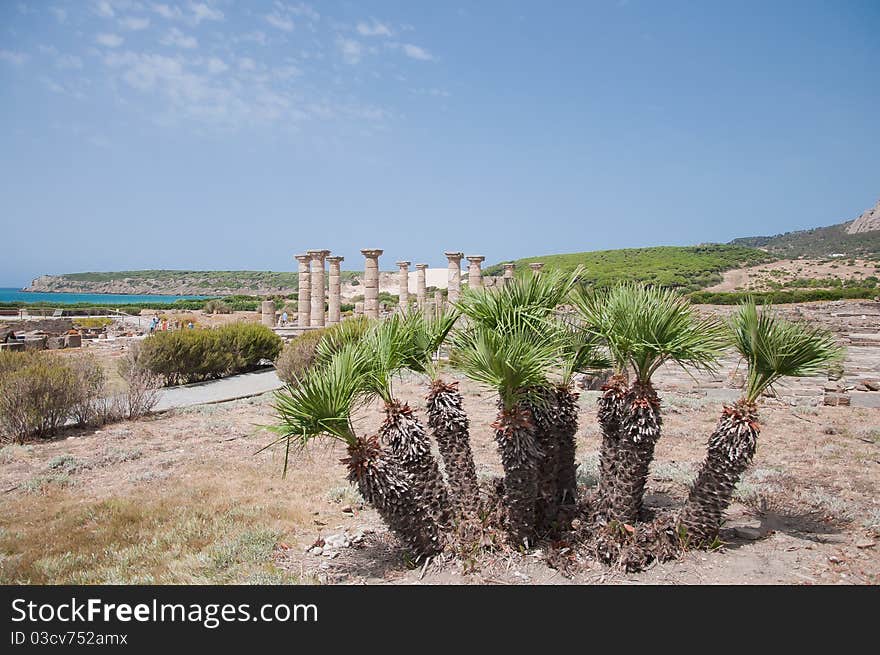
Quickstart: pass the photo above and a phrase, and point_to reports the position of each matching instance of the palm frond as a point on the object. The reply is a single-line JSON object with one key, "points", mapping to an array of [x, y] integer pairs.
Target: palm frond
{"points": [[646, 326], [580, 350], [528, 299], [775, 348], [336, 337], [512, 361], [321, 403], [426, 334]]}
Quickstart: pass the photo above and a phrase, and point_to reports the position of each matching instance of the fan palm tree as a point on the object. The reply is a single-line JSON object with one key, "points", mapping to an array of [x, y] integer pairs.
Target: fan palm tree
{"points": [[447, 419], [321, 404], [392, 346], [514, 363], [601, 311], [645, 327], [773, 348], [511, 344]]}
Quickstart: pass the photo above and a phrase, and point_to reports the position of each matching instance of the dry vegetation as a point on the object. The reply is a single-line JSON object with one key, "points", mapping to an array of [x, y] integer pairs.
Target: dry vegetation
{"points": [[182, 498], [795, 272]]}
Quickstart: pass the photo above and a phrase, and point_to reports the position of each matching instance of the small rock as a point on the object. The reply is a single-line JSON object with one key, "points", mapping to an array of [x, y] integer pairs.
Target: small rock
{"points": [[836, 400], [752, 534], [865, 544], [834, 560], [829, 429], [871, 384], [336, 540], [317, 551]]}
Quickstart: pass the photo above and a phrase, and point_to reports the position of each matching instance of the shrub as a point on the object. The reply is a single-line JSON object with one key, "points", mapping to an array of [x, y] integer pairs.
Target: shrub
{"points": [[37, 393], [197, 355], [142, 393], [303, 353], [90, 381], [217, 307], [298, 356]]}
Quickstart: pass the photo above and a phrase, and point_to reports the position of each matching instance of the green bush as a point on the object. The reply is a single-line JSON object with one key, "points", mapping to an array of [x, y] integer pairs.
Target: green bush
{"points": [[302, 353], [298, 356], [196, 355], [40, 391], [782, 297], [217, 307]]}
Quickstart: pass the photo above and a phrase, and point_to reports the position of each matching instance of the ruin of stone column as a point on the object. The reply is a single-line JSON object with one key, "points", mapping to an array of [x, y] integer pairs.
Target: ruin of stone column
{"points": [[371, 282], [403, 292], [475, 273], [303, 305], [318, 257], [438, 303], [421, 287], [454, 286], [508, 273], [536, 267], [359, 308], [333, 313], [267, 313]]}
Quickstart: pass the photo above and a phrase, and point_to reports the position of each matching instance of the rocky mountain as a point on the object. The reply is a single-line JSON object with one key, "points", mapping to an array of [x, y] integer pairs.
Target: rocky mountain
{"points": [[855, 238], [867, 222]]}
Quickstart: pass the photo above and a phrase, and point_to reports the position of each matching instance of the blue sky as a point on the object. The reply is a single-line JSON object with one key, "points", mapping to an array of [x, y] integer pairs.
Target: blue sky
{"points": [[213, 134]]}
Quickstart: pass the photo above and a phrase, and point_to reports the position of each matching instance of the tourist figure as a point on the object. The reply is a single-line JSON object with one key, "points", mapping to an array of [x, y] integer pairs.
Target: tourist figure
{"points": [[153, 323], [284, 318]]}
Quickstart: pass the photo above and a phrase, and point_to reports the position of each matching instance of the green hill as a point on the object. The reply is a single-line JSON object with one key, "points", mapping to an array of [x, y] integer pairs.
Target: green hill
{"points": [[818, 242], [686, 267]]}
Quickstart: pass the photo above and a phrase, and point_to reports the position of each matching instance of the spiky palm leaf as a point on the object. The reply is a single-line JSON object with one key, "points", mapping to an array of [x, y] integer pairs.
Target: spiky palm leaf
{"points": [[773, 348], [334, 338]]}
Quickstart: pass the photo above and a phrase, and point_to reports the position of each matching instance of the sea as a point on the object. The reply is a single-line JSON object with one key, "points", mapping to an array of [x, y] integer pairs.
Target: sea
{"points": [[8, 295]]}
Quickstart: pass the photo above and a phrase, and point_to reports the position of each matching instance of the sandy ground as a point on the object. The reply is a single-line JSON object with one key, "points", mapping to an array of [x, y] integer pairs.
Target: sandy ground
{"points": [[183, 497], [756, 278]]}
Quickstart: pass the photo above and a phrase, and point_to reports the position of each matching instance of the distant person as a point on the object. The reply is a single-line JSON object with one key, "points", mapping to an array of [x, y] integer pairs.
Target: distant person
{"points": [[153, 323], [283, 318], [190, 326]]}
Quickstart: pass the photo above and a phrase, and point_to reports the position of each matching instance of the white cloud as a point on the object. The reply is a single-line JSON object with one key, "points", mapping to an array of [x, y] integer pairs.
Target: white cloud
{"points": [[201, 11], [178, 39], [247, 64], [168, 12], [104, 9], [351, 50], [68, 62], [415, 52], [14, 58], [253, 37], [59, 13], [373, 29], [216, 65], [197, 12], [134, 23], [281, 22], [109, 40]]}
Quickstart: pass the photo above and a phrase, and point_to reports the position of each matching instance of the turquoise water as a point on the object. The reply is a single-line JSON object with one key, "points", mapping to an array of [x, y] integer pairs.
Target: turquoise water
{"points": [[97, 299]]}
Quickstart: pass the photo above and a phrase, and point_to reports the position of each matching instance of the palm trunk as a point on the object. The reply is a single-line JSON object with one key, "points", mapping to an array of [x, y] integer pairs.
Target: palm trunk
{"points": [[390, 489], [639, 431], [450, 426], [546, 413], [515, 436], [409, 443], [731, 449], [610, 410], [566, 471]]}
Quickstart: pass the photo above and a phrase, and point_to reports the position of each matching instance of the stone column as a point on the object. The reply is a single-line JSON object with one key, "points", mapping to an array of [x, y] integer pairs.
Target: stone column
{"points": [[267, 312], [508, 273], [333, 314], [438, 303], [404, 284], [454, 286], [318, 257], [475, 273], [421, 287], [303, 305], [536, 267], [359, 308], [371, 282]]}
